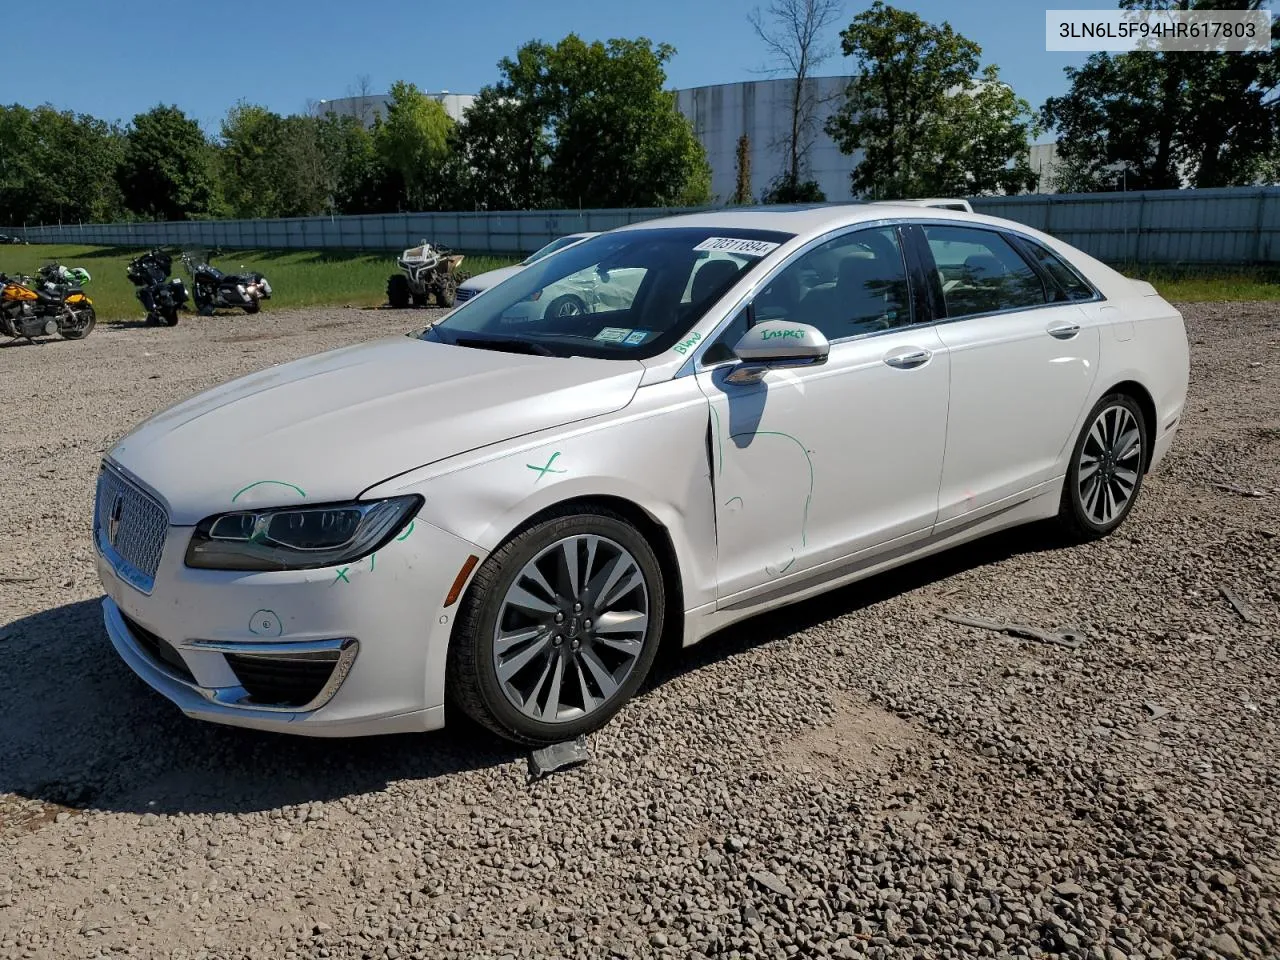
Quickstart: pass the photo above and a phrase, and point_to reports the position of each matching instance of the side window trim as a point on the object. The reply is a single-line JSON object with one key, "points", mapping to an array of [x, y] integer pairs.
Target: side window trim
{"points": [[748, 299], [922, 273], [1018, 242], [1027, 247]]}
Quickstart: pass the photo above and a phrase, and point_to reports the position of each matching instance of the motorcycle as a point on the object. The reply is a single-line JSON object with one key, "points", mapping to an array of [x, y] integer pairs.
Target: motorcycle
{"points": [[212, 288], [52, 302], [163, 297]]}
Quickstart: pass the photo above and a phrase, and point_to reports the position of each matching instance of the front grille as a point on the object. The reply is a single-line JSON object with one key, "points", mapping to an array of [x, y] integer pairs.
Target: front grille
{"points": [[463, 294], [159, 649], [133, 525], [280, 681]]}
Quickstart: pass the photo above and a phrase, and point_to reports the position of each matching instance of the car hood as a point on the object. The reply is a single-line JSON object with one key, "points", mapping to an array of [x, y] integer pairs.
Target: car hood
{"points": [[327, 427], [483, 281]]}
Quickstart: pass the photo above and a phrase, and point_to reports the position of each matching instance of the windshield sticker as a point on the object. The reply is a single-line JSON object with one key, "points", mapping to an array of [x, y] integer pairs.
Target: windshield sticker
{"points": [[748, 248], [614, 334], [636, 336]]}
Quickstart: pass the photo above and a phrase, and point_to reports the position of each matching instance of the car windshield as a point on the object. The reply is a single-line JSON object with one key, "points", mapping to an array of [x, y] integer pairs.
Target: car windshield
{"points": [[558, 244], [630, 294]]}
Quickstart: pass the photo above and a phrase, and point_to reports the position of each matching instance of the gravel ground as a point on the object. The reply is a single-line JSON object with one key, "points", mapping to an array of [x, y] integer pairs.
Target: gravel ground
{"points": [[850, 777]]}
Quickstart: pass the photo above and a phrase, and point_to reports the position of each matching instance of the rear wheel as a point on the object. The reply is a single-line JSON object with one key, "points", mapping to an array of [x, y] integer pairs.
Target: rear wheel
{"points": [[85, 320], [1105, 475], [558, 629], [398, 292], [171, 317], [253, 306]]}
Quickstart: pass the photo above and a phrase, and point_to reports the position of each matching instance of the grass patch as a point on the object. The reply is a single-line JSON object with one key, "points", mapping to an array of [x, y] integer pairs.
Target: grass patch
{"points": [[299, 278], [1200, 283]]}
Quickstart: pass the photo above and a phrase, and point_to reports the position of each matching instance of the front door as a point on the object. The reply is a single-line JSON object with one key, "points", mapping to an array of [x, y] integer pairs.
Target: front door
{"points": [[812, 465]]}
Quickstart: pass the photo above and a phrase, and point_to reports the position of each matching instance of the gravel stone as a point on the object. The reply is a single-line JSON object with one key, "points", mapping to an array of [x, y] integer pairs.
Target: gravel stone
{"points": [[917, 788]]}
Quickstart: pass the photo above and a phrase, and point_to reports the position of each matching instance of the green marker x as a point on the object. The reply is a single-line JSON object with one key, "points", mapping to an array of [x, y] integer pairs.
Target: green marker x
{"points": [[543, 471]]}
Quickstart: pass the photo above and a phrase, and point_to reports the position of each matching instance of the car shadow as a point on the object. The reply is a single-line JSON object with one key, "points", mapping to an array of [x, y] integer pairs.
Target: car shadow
{"points": [[78, 729], [779, 624]]}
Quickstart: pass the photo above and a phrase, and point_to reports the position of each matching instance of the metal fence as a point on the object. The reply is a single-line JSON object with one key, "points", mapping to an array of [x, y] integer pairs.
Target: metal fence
{"points": [[1227, 225]]}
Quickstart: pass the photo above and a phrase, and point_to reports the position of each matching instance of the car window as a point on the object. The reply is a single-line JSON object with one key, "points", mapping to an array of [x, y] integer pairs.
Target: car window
{"points": [[981, 272], [630, 293], [1071, 286], [853, 284]]}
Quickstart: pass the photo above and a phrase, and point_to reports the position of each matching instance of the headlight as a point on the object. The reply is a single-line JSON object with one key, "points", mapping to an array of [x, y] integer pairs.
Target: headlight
{"points": [[298, 538]]}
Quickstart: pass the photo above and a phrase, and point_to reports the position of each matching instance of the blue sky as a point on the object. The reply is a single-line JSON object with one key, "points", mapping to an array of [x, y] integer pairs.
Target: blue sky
{"points": [[282, 53]]}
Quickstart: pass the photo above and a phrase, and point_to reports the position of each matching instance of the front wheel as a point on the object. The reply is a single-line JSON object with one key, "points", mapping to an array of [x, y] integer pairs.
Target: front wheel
{"points": [[171, 317], [558, 629], [82, 326], [398, 292], [566, 305], [1105, 475]]}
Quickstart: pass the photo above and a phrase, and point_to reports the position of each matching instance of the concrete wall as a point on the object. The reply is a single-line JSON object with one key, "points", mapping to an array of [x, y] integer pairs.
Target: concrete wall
{"points": [[1226, 225], [761, 109], [374, 105]]}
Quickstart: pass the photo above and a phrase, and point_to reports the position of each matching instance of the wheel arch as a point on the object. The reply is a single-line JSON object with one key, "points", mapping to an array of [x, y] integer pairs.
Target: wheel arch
{"points": [[650, 527], [1142, 397]]}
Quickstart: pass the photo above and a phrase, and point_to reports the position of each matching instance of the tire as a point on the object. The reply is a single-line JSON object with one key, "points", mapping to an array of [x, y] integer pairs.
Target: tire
{"points": [[1108, 449], [566, 305], [171, 317], [153, 320], [83, 331], [421, 300], [472, 675], [446, 291], [253, 306], [398, 293]]}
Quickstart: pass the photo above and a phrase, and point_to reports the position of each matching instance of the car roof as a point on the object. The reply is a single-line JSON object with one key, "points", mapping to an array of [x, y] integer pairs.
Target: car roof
{"points": [[812, 218]]}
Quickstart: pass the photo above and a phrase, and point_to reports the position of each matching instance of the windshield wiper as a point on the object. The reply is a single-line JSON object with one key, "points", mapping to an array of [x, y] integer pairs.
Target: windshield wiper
{"points": [[505, 344]]}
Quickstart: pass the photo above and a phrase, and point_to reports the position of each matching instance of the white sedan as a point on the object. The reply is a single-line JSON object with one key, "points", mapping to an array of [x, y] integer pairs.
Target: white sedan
{"points": [[481, 282], [510, 520]]}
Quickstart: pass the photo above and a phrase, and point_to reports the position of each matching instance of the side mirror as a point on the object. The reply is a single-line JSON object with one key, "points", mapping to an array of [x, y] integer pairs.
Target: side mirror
{"points": [[777, 343]]}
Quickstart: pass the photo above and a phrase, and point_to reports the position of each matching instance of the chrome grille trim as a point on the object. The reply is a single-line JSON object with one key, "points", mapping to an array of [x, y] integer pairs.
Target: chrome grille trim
{"points": [[129, 527]]}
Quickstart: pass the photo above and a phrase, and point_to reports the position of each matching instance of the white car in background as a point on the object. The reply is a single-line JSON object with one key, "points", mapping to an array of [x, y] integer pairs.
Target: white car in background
{"points": [[483, 281], [512, 518]]}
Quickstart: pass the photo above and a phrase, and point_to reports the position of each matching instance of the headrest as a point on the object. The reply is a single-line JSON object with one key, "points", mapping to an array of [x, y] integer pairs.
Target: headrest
{"points": [[712, 278]]}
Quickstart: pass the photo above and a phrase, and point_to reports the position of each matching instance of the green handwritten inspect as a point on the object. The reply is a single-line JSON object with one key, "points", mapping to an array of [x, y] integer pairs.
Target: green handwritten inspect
{"points": [[775, 334]]}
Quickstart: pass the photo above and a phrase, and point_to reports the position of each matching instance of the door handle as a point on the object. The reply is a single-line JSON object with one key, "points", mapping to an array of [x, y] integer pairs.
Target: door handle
{"points": [[1063, 331], [908, 358]]}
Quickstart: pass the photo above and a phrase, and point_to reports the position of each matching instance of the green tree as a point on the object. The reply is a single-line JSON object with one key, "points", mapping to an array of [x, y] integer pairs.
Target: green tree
{"points": [[583, 124], [927, 120], [58, 166], [503, 148], [1209, 119], [166, 172], [413, 143], [364, 185], [251, 167], [742, 172]]}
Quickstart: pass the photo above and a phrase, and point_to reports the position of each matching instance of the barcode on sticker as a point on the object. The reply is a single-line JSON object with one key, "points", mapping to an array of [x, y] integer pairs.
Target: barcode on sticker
{"points": [[748, 248]]}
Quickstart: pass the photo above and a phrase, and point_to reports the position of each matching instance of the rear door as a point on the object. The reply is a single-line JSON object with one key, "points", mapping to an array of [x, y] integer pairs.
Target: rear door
{"points": [[1023, 362]]}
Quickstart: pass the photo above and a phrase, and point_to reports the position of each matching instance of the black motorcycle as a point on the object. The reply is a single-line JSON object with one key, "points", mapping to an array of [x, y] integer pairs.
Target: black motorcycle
{"points": [[161, 295], [211, 288]]}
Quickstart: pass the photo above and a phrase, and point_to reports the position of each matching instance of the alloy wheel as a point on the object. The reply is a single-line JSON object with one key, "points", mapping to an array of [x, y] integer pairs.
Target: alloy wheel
{"points": [[1110, 463], [571, 628]]}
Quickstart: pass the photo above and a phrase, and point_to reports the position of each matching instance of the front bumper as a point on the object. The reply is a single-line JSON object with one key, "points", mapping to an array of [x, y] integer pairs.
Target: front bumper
{"points": [[373, 638]]}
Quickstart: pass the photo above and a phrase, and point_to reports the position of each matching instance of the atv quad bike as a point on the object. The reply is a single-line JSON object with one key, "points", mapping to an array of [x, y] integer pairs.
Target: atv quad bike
{"points": [[427, 272]]}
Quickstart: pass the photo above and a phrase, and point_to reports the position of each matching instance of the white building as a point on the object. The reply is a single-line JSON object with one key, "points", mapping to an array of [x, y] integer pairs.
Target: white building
{"points": [[367, 108], [761, 109]]}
